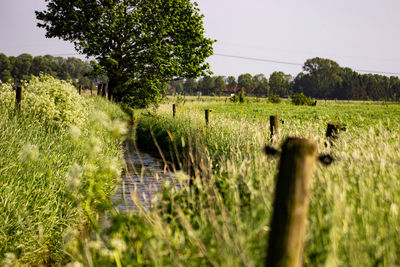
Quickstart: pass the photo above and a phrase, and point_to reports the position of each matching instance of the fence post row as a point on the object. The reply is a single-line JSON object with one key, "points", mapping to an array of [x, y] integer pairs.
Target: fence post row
{"points": [[274, 125], [207, 114], [18, 98], [292, 194]]}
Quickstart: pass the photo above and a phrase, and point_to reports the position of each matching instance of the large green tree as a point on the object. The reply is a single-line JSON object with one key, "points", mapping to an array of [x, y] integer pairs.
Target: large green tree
{"points": [[5, 67], [279, 83], [260, 85], [140, 43], [245, 81], [324, 76], [219, 82], [190, 85]]}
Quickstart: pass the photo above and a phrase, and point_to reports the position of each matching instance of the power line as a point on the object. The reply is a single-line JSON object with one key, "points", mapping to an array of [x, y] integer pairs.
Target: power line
{"points": [[296, 64], [260, 59], [270, 61]]}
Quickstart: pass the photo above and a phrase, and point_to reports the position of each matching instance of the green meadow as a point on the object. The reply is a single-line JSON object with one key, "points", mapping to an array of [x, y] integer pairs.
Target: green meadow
{"points": [[220, 214]]}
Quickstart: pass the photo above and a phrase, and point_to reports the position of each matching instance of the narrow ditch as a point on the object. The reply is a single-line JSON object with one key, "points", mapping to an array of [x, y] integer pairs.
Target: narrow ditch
{"points": [[142, 178]]}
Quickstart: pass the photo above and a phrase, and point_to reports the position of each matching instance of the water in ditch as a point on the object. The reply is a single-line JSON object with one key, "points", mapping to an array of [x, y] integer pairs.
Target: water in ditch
{"points": [[142, 179]]}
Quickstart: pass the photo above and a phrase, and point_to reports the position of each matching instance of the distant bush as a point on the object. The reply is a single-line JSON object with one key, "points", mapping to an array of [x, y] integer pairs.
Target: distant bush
{"points": [[274, 98], [301, 99], [234, 98]]}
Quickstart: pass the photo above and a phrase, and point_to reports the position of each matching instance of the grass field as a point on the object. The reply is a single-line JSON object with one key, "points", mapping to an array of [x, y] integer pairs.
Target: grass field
{"points": [[223, 218]]}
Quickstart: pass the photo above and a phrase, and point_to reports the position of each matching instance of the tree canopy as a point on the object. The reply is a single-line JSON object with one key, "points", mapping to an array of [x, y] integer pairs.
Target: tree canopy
{"points": [[324, 78], [22, 67], [139, 43]]}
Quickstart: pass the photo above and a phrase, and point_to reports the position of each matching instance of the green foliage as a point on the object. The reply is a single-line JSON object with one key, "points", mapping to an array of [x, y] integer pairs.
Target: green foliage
{"points": [[324, 78], [279, 83], [51, 101], [241, 96], [55, 177], [162, 40], [260, 85], [274, 99], [238, 98], [234, 98], [245, 81], [301, 99], [142, 94], [22, 67]]}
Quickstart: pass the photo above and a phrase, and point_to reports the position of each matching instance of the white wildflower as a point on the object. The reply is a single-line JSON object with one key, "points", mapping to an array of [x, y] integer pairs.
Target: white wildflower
{"points": [[394, 210], [118, 244], [181, 176], [74, 132], [9, 259], [118, 128], [28, 153], [74, 176], [74, 264]]}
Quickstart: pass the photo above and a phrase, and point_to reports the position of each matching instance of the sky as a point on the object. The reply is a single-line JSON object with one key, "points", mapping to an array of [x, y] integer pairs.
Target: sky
{"points": [[253, 36]]}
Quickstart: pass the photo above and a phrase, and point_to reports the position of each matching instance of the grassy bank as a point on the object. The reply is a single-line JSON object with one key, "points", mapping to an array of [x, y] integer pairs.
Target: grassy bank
{"points": [[59, 163], [223, 218]]}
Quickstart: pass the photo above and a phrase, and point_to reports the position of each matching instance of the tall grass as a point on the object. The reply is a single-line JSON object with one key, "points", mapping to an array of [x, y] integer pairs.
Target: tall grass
{"points": [[56, 171], [222, 218]]}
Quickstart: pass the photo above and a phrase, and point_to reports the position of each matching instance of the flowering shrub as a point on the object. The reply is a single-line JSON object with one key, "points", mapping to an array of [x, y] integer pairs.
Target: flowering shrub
{"points": [[48, 100]]}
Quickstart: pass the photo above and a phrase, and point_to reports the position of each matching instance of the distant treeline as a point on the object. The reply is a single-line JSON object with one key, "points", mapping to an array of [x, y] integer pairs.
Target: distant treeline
{"points": [[13, 69], [321, 78]]}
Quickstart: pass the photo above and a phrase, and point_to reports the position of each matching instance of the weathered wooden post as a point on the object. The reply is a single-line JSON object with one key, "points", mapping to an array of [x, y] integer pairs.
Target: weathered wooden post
{"points": [[103, 91], [274, 125], [292, 195], [173, 110], [109, 94], [207, 114], [18, 98], [80, 89], [333, 129], [99, 88]]}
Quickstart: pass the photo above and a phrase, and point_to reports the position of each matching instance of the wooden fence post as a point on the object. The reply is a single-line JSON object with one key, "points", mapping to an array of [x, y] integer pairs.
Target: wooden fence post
{"points": [[292, 194], [18, 98], [274, 125], [333, 129], [99, 88], [80, 89], [207, 114], [173, 110], [103, 91]]}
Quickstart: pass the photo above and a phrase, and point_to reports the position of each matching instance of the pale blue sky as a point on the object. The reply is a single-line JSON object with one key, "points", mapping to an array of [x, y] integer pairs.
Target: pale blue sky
{"points": [[361, 34]]}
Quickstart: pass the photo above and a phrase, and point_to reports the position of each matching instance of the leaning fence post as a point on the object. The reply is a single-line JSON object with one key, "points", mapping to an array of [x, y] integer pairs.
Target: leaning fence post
{"points": [[18, 98], [207, 114], [173, 110], [273, 125], [292, 194]]}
